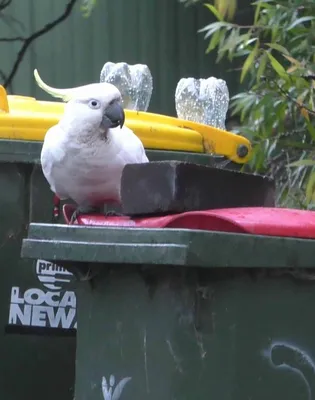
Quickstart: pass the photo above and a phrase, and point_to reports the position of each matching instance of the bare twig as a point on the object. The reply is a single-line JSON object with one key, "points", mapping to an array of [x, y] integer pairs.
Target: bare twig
{"points": [[9, 20], [29, 40], [289, 97], [13, 39], [3, 75], [4, 4], [310, 77]]}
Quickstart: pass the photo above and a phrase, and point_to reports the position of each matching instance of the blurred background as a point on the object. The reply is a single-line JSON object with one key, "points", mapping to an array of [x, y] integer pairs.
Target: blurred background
{"points": [[160, 33], [263, 49]]}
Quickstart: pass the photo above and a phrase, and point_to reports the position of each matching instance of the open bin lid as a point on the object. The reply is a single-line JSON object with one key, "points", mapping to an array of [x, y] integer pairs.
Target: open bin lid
{"points": [[25, 118]]}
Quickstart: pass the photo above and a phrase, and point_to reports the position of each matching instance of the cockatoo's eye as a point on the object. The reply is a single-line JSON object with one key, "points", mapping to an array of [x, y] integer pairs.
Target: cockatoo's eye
{"points": [[94, 104]]}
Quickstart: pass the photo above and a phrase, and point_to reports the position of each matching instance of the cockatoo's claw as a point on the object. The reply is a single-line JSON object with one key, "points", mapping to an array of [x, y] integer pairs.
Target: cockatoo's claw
{"points": [[55, 215], [113, 214], [56, 209], [84, 210]]}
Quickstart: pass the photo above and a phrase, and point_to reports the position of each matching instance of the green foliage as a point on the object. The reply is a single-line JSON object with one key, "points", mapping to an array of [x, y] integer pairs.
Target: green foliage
{"points": [[87, 7], [226, 8], [277, 64], [189, 2]]}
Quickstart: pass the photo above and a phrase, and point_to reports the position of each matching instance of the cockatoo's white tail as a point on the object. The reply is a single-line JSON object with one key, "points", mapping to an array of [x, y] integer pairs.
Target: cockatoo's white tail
{"points": [[64, 94]]}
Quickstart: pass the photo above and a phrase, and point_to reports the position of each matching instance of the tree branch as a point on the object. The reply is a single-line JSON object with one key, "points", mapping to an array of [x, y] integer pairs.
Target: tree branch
{"points": [[289, 97], [6, 18], [310, 77], [4, 4], [13, 39], [3, 75], [29, 40]]}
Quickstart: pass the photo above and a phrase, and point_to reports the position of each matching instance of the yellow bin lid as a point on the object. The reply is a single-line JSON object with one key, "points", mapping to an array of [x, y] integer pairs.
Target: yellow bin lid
{"points": [[25, 118]]}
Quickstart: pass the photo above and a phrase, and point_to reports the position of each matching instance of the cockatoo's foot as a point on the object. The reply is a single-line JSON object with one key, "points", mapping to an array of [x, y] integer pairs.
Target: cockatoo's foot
{"points": [[56, 209], [84, 210], [113, 214]]}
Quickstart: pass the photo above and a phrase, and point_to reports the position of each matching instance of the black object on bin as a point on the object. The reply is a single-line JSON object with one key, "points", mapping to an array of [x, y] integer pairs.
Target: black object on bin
{"points": [[174, 187]]}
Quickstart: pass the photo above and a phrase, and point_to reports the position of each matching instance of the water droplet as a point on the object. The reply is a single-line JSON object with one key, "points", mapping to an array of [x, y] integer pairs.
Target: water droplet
{"points": [[134, 82], [205, 101]]}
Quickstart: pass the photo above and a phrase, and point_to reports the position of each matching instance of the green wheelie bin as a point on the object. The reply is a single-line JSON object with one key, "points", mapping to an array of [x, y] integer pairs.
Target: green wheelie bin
{"points": [[190, 305], [179, 313], [37, 299], [38, 296]]}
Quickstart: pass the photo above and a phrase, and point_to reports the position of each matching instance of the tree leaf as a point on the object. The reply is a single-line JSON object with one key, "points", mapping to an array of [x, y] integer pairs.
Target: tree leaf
{"points": [[299, 21], [276, 65], [292, 69], [262, 66], [296, 145], [87, 7], [292, 60], [231, 9], [214, 11], [263, 3], [302, 163], [257, 12], [249, 61], [278, 47], [305, 113], [274, 32], [311, 129], [226, 7], [250, 41], [310, 187], [214, 41], [214, 26]]}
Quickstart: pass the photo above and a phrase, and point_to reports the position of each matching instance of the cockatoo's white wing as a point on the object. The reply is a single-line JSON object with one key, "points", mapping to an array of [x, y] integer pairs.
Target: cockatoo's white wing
{"points": [[52, 155], [130, 146]]}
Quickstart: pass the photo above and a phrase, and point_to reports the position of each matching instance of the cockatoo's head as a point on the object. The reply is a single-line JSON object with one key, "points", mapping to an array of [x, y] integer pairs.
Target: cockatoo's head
{"points": [[89, 108], [98, 105]]}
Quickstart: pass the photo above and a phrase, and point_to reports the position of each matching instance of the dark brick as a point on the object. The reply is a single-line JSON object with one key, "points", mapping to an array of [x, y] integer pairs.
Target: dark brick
{"points": [[174, 187]]}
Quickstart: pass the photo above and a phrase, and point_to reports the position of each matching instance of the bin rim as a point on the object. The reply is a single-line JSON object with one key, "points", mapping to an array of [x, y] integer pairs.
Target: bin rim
{"points": [[178, 247]]}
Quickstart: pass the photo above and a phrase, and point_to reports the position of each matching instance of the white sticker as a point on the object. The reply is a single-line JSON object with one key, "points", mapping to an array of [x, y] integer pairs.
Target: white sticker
{"points": [[51, 275], [52, 308], [111, 393]]}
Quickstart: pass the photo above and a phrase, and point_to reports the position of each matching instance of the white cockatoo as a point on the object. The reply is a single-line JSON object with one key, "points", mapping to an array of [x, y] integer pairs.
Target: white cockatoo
{"points": [[84, 154]]}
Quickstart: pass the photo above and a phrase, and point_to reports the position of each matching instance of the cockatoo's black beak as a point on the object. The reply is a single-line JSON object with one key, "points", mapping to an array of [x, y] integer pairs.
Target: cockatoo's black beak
{"points": [[114, 116]]}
